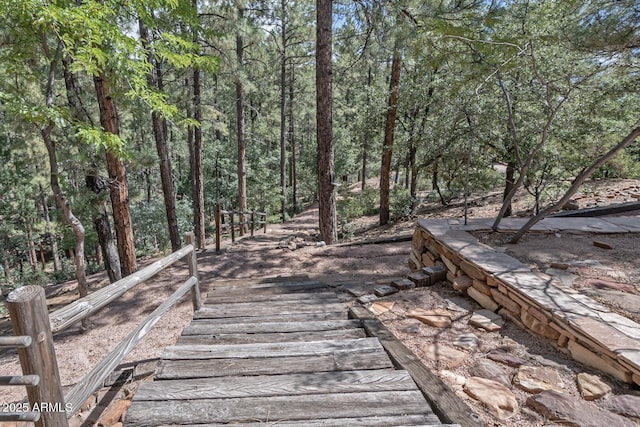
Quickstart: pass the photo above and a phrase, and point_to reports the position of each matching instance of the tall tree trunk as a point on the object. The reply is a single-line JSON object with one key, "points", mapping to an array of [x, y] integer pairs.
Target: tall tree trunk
{"points": [[509, 182], [389, 132], [154, 79], [49, 228], [119, 190], [197, 172], [33, 257], [283, 111], [240, 122], [326, 174], [292, 144]]}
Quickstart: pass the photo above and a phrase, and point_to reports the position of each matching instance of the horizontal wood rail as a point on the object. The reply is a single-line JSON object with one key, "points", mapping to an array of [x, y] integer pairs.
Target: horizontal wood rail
{"points": [[34, 328], [255, 218]]}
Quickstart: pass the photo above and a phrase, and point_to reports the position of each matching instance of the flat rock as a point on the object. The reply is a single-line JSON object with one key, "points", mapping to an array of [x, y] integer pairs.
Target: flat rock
{"points": [[506, 358], [535, 379], [498, 399], [570, 411], [485, 368], [438, 318], [624, 300], [436, 274], [563, 278], [420, 279], [624, 404], [609, 285], [403, 284], [366, 299], [591, 387], [458, 304], [381, 307], [453, 377], [469, 341], [448, 356], [383, 291], [487, 320]]}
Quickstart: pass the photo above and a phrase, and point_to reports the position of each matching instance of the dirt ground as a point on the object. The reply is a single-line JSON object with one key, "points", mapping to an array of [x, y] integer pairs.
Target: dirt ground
{"points": [[273, 254]]}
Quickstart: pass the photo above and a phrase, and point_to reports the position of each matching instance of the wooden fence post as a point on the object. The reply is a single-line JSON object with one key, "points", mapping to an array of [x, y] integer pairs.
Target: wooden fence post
{"points": [[193, 271], [265, 222], [218, 227], [253, 216], [233, 231], [30, 317]]}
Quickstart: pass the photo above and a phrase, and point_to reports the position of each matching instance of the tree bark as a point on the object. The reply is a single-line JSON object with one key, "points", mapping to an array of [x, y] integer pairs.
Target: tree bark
{"points": [[49, 228], [283, 112], [63, 202], [326, 174], [389, 133], [240, 121], [119, 190], [154, 79], [292, 145], [109, 250], [577, 182]]}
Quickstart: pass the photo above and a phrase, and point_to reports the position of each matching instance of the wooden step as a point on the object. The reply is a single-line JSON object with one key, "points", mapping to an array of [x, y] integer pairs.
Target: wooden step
{"points": [[247, 338], [276, 385], [248, 296], [214, 318], [265, 350], [279, 408], [363, 360], [253, 310], [203, 327]]}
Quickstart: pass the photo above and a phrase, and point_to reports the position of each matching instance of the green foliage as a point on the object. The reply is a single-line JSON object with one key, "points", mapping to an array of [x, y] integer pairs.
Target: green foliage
{"points": [[356, 205]]}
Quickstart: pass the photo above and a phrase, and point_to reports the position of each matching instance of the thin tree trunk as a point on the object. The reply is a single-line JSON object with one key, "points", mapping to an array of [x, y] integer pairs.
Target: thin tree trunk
{"points": [[283, 113], [240, 122], [389, 131], [109, 250], [197, 172], [292, 144], [326, 174], [577, 182], [119, 190], [49, 228], [154, 79], [33, 257], [63, 202]]}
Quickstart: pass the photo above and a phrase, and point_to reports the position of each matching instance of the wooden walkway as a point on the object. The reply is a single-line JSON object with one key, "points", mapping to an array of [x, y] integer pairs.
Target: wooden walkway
{"points": [[280, 354]]}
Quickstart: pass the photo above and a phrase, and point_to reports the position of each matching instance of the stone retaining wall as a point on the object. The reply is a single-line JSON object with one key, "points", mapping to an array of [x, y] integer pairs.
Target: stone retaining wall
{"points": [[576, 325]]}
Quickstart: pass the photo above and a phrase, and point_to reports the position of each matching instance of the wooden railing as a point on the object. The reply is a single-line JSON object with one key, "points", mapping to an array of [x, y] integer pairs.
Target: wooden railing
{"points": [[253, 219], [34, 328]]}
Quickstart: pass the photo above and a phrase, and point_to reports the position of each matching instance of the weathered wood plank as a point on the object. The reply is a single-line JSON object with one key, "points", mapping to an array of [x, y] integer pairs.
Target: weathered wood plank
{"points": [[247, 338], [15, 342], [269, 349], [276, 385], [287, 286], [356, 360], [84, 307], [200, 327], [278, 408], [445, 403], [395, 421], [213, 318], [95, 378], [253, 309], [234, 297]]}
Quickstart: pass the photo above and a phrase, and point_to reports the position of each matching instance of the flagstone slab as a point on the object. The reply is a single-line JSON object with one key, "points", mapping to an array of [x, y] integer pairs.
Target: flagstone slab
{"points": [[628, 223], [513, 224], [585, 225]]}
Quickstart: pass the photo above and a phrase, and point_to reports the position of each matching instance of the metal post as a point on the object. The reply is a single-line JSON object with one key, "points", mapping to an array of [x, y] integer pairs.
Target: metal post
{"points": [[30, 317]]}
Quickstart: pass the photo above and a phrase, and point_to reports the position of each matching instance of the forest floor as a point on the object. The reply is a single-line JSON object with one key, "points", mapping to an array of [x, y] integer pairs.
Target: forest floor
{"points": [[291, 249]]}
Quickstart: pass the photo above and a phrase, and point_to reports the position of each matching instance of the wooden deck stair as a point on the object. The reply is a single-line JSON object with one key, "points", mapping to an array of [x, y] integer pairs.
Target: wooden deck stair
{"points": [[281, 354]]}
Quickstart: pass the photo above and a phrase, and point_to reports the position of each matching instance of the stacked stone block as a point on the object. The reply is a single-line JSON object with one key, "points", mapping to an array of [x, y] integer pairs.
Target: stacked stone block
{"points": [[577, 325]]}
